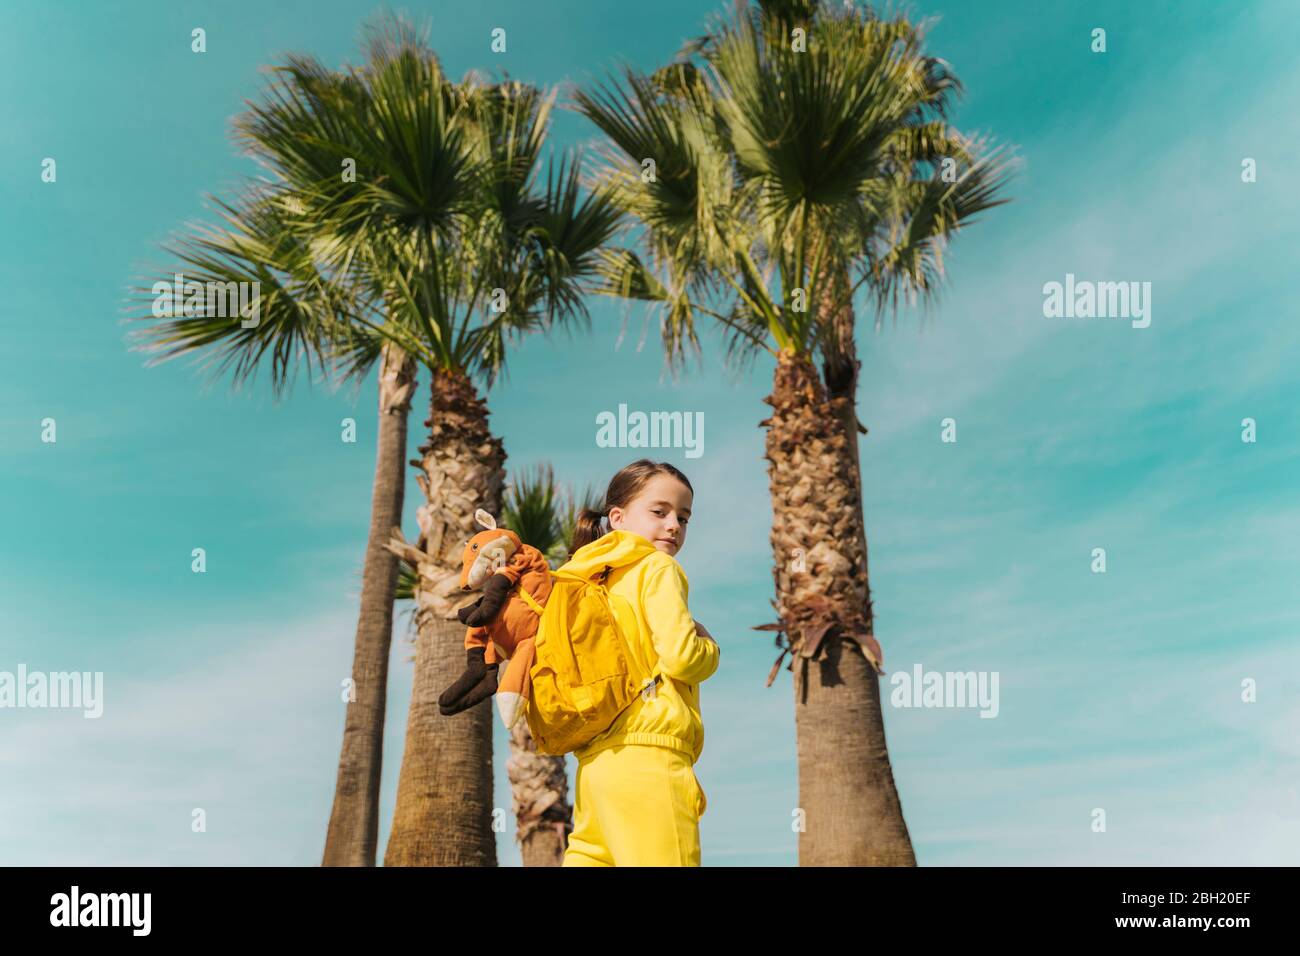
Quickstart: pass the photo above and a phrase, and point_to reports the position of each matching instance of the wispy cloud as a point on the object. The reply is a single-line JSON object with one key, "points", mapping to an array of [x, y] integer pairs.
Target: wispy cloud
{"points": [[248, 732]]}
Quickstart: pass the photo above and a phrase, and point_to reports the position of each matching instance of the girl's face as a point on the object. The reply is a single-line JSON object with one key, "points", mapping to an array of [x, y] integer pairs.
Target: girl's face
{"points": [[658, 513]]}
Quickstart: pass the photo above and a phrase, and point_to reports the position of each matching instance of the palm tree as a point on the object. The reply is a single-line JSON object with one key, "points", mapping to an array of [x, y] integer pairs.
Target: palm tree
{"points": [[545, 517], [305, 310], [793, 147], [445, 205]]}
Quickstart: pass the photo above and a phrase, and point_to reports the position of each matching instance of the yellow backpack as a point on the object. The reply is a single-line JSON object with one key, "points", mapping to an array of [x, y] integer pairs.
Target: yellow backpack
{"points": [[584, 674]]}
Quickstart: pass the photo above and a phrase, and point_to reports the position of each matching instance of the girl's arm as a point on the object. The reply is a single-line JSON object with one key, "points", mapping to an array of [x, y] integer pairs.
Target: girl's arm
{"points": [[683, 653]]}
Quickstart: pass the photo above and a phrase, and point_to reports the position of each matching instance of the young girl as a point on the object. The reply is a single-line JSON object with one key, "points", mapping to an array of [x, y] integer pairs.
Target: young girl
{"points": [[638, 801]]}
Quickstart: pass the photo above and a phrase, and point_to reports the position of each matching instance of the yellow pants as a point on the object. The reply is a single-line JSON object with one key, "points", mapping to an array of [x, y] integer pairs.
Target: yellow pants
{"points": [[637, 805]]}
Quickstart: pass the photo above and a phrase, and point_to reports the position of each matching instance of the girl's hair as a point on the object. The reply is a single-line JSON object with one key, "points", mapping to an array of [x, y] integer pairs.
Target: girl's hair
{"points": [[623, 488]]}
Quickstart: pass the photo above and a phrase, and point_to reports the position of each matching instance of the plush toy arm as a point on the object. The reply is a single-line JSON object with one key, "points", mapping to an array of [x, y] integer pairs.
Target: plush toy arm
{"points": [[514, 569], [483, 611], [470, 611], [526, 561]]}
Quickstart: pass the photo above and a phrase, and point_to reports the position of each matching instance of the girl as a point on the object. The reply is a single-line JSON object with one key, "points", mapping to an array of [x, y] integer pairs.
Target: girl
{"points": [[638, 801]]}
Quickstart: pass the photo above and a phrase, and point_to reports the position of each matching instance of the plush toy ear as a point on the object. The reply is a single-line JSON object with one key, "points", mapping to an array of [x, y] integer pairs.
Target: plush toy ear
{"points": [[485, 519]]}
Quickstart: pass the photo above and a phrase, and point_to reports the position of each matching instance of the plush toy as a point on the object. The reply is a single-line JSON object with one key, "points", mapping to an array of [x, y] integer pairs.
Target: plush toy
{"points": [[502, 623]]}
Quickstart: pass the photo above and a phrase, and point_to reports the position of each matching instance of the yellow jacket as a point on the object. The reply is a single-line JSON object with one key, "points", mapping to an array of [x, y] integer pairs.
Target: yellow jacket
{"points": [[648, 592]]}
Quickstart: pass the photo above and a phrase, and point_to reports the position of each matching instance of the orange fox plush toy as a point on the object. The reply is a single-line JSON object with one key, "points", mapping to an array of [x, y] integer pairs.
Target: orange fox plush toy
{"points": [[502, 623]]}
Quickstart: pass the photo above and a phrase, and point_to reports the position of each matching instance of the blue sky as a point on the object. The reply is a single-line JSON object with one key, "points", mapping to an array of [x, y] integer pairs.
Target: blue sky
{"points": [[1119, 691]]}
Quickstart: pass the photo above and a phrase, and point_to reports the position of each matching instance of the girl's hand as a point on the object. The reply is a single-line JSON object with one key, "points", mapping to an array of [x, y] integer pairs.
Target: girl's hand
{"points": [[703, 631]]}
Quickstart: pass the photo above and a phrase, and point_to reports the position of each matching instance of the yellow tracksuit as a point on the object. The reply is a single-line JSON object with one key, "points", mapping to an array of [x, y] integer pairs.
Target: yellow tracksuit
{"points": [[638, 802]]}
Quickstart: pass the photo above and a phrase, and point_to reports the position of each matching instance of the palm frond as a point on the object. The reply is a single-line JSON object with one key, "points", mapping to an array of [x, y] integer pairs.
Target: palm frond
{"points": [[781, 165], [301, 308], [908, 264], [529, 509], [571, 504], [407, 581]]}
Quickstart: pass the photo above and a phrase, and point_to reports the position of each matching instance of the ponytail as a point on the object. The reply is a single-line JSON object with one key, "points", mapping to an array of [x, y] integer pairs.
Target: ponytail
{"points": [[590, 526]]}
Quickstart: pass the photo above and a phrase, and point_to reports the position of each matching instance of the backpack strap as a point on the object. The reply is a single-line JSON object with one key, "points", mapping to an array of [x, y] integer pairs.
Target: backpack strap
{"points": [[530, 600]]}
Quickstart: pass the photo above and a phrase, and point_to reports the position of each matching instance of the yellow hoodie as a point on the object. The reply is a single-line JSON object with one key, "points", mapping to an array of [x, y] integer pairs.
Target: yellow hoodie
{"points": [[648, 593]]}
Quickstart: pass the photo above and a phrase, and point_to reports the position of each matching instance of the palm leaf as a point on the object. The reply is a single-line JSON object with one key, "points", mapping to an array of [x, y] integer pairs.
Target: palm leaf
{"points": [[781, 168], [302, 308]]}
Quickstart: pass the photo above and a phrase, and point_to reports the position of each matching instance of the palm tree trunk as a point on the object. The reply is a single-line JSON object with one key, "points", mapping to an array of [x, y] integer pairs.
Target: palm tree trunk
{"points": [[353, 834], [852, 815], [444, 812], [540, 785], [841, 374]]}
